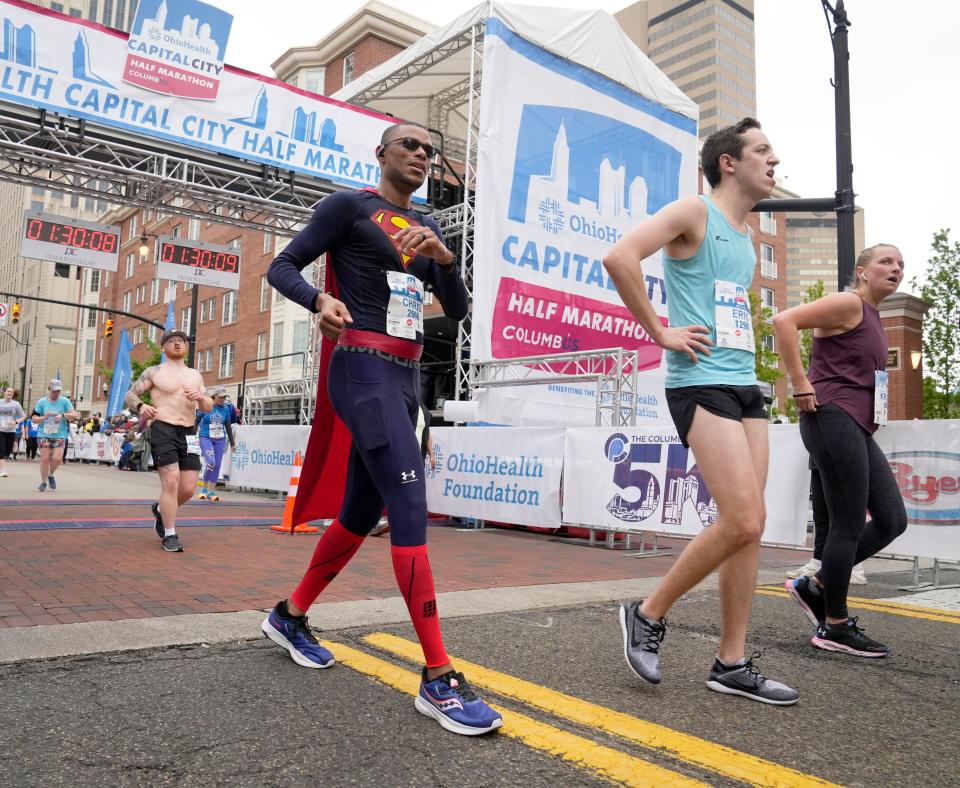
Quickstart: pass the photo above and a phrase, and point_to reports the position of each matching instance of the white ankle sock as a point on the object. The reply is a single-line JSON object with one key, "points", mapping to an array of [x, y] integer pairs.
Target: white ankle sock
{"points": [[169, 531]]}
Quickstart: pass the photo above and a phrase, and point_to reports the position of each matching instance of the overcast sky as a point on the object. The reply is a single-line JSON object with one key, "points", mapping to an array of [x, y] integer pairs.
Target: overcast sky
{"points": [[904, 73]]}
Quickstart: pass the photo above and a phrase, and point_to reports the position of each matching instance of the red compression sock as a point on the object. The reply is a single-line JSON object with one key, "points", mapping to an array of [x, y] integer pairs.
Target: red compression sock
{"points": [[415, 578], [335, 548]]}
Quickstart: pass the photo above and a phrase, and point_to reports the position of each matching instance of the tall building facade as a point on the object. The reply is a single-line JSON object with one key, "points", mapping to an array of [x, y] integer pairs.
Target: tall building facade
{"points": [[812, 250], [706, 47]]}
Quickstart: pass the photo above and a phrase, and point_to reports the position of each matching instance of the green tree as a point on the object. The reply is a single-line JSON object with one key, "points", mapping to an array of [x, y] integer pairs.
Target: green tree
{"points": [[941, 329], [766, 361], [136, 367], [814, 292]]}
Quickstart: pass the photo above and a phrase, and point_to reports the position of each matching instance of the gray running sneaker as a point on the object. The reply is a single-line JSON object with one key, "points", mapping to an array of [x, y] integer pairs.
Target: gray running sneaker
{"points": [[641, 641], [172, 544], [747, 681]]}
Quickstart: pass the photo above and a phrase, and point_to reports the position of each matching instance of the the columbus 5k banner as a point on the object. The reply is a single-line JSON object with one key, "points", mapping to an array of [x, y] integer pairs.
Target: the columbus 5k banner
{"points": [[182, 92], [506, 475], [645, 480], [569, 161]]}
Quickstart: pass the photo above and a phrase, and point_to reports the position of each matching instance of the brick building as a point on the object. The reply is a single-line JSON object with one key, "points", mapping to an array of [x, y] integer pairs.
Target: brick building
{"points": [[902, 318]]}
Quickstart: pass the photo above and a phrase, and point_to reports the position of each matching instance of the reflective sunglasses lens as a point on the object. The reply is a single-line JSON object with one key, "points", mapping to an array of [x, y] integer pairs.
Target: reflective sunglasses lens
{"points": [[412, 144]]}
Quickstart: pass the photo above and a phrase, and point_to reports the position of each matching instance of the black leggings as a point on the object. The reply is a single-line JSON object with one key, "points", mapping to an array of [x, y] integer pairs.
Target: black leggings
{"points": [[856, 476]]}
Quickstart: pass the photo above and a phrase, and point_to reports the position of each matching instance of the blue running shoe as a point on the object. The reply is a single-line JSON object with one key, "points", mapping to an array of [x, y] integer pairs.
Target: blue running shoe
{"points": [[294, 635], [52, 481], [452, 702]]}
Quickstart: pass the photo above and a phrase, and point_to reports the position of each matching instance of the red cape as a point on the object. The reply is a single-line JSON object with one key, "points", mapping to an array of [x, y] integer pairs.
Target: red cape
{"points": [[324, 473]]}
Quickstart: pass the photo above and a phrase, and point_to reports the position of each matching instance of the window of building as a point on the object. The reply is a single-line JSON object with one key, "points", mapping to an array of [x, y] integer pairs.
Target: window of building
{"points": [[155, 291], [57, 7], [187, 287], [209, 360], [94, 282], [127, 300], [264, 293], [91, 319], [768, 266], [134, 226], [261, 350], [119, 20], [88, 351], [312, 79], [768, 300], [277, 297], [226, 360], [769, 343], [138, 334], [301, 332], [229, 307], [75, 12], [86, 391], [768, 224], [61, 270], [128, 270], [268, 238], [235, 243], [185, 318], [348, 68], [277, 344], [193, 230], [153, 333], [141, 294]]}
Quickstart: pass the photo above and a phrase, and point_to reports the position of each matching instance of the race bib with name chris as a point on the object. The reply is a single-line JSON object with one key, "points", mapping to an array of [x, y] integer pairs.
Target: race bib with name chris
{"points": [[405, 308]]}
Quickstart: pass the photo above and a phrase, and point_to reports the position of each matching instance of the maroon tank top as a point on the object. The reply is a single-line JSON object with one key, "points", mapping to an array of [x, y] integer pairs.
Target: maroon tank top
{"points": [[842, 367]]}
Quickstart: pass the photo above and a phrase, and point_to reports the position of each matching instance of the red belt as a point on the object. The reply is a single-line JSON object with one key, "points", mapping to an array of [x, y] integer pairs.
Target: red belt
{"points": [[402, 348]]}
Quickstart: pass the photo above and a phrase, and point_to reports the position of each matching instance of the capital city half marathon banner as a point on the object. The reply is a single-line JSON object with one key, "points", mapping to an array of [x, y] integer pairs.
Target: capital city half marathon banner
{"points": [[569, 161], [502, 474], [81, 69]]}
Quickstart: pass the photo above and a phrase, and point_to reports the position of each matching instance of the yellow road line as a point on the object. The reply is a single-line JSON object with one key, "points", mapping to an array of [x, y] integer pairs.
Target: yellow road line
{"points": [[894, 608], [690, 749], [584, 753]]}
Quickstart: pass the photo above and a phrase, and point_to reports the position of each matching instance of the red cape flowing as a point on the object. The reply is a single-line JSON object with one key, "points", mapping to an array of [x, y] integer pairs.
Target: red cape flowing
{"points": [[324, 473]]}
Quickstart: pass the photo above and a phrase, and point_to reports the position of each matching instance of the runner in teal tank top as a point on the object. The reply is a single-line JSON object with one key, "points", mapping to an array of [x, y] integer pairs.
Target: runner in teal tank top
{"points": [[712, 394]]}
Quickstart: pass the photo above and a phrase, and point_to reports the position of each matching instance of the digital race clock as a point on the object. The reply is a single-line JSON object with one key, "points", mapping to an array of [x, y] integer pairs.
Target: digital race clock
{"points": [[60, 239], [198, 262]]}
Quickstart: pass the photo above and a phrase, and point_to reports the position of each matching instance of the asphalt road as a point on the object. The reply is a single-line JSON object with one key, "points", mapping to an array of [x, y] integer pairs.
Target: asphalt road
{"points": [[244, 714]]}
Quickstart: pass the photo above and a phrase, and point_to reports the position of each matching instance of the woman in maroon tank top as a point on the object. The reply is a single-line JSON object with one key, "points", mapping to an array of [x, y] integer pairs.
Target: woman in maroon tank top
{"points": [[842, 399]]}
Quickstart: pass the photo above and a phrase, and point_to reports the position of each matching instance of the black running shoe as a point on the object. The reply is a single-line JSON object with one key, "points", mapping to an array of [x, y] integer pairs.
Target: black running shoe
{"points": [[804, 592], [849, 639], [172, 544], [746, 680], [641, 641], [158, 520]]}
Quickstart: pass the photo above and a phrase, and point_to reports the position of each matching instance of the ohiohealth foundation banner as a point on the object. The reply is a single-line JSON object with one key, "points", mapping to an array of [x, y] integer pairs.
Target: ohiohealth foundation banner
{"points": [[78, 68], [645, 480], [506, 475], [925, 459], [264, 456], [569, 161]]}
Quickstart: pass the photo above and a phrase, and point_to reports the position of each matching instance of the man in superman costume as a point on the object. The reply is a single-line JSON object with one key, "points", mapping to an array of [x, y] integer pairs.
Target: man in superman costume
{"points": [[380, 253]]}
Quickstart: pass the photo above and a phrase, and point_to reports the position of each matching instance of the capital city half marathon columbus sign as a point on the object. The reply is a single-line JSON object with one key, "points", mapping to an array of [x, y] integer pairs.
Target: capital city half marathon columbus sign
{"points": [[167, 80]]}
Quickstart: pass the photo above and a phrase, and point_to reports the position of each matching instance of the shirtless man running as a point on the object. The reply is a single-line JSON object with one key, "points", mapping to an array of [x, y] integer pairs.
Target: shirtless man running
{"points": [[177, 392]]}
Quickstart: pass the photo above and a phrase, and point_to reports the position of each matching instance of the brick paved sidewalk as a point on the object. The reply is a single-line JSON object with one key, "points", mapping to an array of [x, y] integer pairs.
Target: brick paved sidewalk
{"points": [[106, 574]]}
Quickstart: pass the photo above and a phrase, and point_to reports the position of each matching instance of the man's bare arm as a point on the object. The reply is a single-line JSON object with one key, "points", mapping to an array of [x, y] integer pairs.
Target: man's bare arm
{"points": [[142, 385]]}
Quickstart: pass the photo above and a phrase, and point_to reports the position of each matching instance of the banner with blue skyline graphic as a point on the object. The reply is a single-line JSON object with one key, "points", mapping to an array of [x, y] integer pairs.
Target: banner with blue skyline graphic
{"points": [[569, 161], [78, 69]]}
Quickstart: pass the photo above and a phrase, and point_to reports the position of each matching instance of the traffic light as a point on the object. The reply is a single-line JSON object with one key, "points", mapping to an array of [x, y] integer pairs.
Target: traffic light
{"points": [[15, 314], [108, 328]]}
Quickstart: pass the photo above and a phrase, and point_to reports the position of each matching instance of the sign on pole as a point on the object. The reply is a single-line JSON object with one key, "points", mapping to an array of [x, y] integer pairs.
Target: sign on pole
{"points": [[3, 314], [197, 262]]}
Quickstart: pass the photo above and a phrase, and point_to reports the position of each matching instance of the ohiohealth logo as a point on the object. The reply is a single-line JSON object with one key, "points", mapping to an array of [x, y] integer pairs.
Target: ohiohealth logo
{"points": [[433, 471], [929, 482], [551, 215], [241, 456]]}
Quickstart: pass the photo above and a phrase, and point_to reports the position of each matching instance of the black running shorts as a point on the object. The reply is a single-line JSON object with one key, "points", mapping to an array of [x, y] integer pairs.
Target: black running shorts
{"points": [[169, 445], [728, 402]]}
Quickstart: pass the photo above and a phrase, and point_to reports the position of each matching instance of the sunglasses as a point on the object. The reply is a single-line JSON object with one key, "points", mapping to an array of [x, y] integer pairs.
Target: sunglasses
{"points": [[411, 144]]}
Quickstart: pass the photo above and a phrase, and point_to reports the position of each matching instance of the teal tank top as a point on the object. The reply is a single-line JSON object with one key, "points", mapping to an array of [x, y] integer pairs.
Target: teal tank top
{"points": [[711, 289]]}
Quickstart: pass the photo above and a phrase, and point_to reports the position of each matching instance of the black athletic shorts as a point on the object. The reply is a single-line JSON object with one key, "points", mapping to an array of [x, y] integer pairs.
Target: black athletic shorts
{"points": [[728, 402], [169, 445], [7, 442]]}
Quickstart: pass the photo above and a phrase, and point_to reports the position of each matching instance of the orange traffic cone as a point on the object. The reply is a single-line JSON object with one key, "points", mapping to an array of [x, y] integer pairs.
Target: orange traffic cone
{"points": [[287, 525]]}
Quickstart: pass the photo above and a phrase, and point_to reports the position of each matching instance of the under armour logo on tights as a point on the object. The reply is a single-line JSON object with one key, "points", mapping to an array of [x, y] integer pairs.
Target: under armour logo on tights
{"points": [[408, 476]]}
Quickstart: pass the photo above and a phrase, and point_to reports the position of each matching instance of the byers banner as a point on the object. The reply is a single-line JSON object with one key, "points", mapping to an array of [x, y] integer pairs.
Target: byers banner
{"points": [[569, 161], [77, 68]]}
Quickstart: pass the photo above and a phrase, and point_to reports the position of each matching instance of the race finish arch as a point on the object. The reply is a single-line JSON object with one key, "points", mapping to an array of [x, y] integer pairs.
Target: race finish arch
{"points": [[569, 136]]}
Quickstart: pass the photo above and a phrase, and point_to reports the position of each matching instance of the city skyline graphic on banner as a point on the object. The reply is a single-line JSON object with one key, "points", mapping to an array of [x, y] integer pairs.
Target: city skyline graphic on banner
{"points": [[207, 36], [576, 169]]}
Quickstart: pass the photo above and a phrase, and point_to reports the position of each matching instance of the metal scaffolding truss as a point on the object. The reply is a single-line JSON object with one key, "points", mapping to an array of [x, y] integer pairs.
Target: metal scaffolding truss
{"points": [[39, 148], [262, 400], [613, 372]]}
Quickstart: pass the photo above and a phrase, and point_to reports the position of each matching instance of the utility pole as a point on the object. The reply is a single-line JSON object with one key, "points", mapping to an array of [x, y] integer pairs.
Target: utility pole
{"points": [[846, 242], [192, 351]]}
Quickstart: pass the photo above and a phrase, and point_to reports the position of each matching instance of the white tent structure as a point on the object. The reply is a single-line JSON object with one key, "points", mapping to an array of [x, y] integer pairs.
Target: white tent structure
{"points": [[437, 81]]}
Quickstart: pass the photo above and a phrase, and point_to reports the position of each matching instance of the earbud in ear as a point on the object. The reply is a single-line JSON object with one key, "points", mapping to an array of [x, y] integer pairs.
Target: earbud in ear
{"points": [[379, 152]]}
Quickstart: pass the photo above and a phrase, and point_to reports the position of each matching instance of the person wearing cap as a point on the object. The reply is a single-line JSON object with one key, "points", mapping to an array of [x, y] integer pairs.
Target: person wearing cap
{"points": [[214, 429], [53, 413], [176, 393], [11, 417]]}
